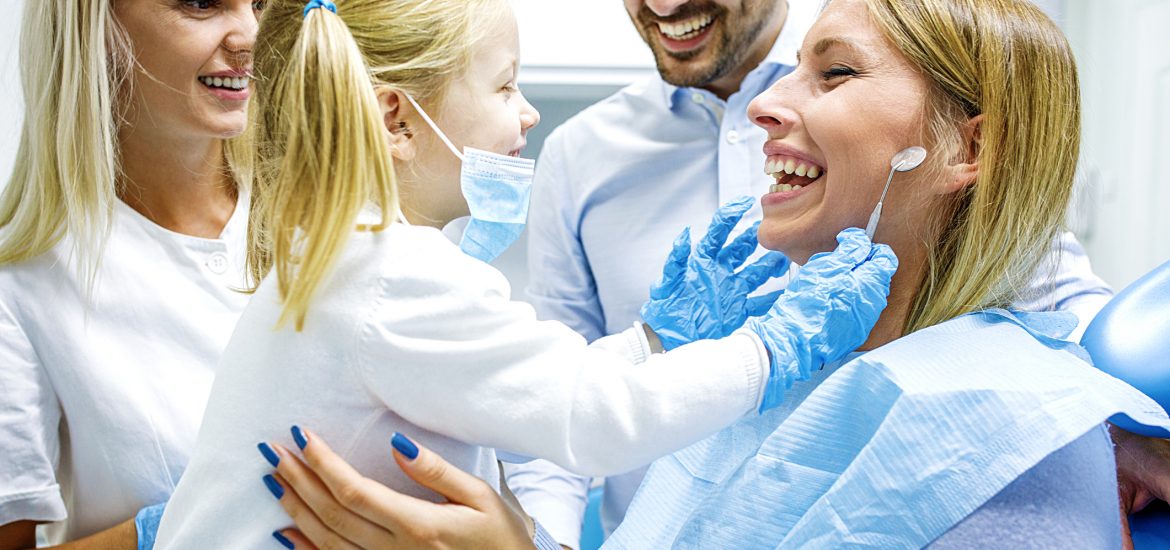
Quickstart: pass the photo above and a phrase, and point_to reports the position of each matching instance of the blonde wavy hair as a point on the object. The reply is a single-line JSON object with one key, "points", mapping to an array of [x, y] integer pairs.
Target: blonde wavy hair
{"points": [[67, 172], [320, 145], [1005, 60]]}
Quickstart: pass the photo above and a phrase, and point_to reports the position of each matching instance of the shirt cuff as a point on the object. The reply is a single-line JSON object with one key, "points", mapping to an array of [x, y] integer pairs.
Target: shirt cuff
{"points": [[630, 343], [41, 505], [763, 362], [544, 541]]}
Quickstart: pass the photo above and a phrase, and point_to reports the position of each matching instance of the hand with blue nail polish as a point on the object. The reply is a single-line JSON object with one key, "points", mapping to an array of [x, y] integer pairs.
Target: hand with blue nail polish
{"points": [[375, 516], [299, 437], [704, 293]]}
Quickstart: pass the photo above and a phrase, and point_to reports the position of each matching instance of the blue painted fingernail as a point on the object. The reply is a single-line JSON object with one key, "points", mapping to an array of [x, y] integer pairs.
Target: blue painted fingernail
{"points": [[299, 437], [273, 486], [283, 540], [269, 454], [404, 445]]}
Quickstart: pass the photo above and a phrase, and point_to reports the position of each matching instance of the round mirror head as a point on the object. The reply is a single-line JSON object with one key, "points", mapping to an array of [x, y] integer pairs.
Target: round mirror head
{"points": [[908, 159]]}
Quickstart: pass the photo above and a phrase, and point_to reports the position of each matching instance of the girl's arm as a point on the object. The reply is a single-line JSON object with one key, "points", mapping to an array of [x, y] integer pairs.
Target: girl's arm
{"points": [[22, 534], [445, 348]]}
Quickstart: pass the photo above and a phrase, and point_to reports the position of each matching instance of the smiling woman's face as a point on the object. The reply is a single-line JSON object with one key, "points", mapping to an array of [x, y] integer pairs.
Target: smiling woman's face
{"points": [[193, 63], [852, 103]]}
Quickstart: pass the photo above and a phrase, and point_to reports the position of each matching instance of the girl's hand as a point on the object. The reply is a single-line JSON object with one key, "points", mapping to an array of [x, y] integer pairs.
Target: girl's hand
{"points": [[334, 506]]}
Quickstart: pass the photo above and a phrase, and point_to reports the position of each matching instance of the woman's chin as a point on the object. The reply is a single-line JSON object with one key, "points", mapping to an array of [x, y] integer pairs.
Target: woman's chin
{"points": [[775, 240]]}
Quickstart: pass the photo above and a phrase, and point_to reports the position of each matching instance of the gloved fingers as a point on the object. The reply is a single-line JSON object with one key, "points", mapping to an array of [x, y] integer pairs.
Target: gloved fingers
{"points": [[874, 275], [853, 248], [772, 264], [741, 248], [675, 266], [880, 260], [853, 244], [884, 256], [759, 305], [725, 219]]}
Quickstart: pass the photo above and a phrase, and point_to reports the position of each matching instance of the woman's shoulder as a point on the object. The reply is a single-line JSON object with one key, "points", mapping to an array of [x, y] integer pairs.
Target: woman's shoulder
{"points": [[992, 351], [48, 269]]}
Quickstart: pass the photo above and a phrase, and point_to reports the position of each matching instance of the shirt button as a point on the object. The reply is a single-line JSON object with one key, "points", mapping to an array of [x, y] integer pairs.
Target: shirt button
{"points": [[218, 263], [697, 98], [733, 137]]}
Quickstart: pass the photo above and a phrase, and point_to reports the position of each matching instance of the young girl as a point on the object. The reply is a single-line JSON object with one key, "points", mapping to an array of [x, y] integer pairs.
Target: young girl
{"points": [[377, 324]]}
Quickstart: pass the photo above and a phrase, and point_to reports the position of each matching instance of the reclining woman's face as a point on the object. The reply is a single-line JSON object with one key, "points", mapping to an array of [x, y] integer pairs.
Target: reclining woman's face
{"points": [[851, 104]]}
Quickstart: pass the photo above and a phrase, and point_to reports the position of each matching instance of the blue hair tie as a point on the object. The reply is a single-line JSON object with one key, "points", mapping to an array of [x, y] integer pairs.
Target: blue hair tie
{"points": [[314, 4]]}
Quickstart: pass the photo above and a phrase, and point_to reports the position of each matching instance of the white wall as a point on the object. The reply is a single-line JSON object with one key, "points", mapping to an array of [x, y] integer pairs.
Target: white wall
{"points": [[578, 51], [595, 34], [11, 105], [1123, 50]]}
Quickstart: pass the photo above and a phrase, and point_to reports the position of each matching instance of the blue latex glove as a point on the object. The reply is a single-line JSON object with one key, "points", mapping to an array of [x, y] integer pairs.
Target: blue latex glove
{"points": [[701, 295], [826, 312], [146, 523]]}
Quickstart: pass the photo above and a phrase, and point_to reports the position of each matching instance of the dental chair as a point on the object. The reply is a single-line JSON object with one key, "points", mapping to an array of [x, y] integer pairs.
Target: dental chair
{"points": [[1130, 339]]}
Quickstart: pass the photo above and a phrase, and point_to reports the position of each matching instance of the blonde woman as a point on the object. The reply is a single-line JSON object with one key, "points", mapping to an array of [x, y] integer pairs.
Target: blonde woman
{"points": [[370, 316], [121, 251], [969, 425], [958, 424]]}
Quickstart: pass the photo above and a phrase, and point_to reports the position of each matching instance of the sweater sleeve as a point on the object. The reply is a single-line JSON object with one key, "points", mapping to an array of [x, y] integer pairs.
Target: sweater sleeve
{"points": [[446, 349]]}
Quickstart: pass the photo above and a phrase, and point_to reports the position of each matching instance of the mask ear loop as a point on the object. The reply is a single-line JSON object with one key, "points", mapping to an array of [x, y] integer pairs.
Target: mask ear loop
{"points": [[433, 126]]}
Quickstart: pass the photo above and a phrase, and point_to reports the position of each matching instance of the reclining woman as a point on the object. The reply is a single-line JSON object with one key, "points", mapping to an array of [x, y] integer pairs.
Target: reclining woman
{"points": [[961, 421]]}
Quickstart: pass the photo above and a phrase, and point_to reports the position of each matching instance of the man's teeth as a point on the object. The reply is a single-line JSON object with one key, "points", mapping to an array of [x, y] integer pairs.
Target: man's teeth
{"points": [[230, 83], [684, 30]]}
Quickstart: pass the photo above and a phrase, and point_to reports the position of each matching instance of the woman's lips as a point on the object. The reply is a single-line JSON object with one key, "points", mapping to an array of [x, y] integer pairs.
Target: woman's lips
{"points": [[229, 95], [779, 197]]}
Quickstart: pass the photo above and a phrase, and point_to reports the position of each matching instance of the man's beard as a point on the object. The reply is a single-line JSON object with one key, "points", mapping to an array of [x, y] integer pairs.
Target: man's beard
{"points": [[729, 50]]}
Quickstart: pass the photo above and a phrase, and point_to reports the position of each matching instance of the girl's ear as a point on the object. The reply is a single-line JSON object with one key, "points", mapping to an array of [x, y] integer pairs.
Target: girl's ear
{"points": [[964, 168], [398, 132]]}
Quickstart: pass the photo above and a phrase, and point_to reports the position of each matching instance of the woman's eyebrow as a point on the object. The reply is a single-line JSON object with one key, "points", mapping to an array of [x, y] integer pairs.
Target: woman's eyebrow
{"points": [[825, 44]]}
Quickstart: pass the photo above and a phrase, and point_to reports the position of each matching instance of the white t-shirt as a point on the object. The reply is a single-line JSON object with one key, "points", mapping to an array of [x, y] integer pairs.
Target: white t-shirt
{"points": [[99, 407], [409, 334]]}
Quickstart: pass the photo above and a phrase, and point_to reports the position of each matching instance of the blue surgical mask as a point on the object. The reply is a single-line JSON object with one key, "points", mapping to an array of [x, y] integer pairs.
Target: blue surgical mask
{"points": [[497, 188]]}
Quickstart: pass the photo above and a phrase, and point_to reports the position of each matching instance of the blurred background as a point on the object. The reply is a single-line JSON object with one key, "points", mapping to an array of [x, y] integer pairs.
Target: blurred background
{"points": [[576, 53]]}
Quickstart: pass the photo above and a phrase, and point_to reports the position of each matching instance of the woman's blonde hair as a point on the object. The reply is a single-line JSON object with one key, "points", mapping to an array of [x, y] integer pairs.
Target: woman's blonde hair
{"points": [[1007, 61], [77, 68], [321, 150]]}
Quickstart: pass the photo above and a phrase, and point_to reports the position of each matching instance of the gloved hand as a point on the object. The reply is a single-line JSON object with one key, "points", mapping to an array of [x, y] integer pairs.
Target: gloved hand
{"points": [[146, 523], [826, 312], [701, 295]]}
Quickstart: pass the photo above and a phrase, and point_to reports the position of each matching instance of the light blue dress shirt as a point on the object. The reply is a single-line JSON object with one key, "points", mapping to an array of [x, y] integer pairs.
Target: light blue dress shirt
{"points": [[616, 183]]}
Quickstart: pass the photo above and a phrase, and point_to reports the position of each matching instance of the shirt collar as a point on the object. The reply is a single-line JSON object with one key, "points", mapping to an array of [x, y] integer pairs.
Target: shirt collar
{"points": [[801, 15]]}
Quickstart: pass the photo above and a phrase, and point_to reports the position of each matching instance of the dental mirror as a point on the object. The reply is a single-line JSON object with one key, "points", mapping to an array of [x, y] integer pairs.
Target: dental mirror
{"points": [[906, 160]]}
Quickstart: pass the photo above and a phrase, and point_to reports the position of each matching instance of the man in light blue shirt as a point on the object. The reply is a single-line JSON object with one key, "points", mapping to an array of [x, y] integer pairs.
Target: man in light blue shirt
{"points": [[616, 183]]}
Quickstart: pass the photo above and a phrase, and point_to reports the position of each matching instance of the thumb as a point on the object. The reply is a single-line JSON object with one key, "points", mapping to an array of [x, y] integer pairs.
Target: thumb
{"points": [[430, 470]]}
